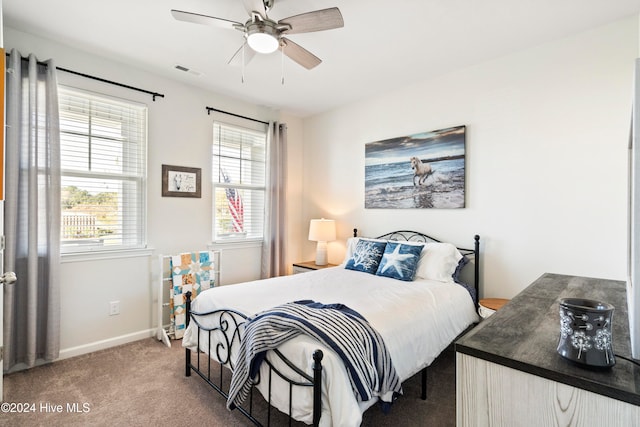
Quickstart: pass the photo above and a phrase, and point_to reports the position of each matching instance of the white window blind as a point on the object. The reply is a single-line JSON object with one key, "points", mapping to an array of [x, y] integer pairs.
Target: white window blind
{"points": [[238, 172], [103, 160]]}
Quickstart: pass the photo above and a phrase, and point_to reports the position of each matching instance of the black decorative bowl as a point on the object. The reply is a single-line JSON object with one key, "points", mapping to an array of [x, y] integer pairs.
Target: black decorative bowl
{"points": [[585, 332]]}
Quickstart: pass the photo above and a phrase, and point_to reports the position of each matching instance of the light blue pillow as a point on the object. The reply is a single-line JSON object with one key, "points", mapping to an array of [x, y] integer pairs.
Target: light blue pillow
{"points": [[399, 261], [366, 256]]}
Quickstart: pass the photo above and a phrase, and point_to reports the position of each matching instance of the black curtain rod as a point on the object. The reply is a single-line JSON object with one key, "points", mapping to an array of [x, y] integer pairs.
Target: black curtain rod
{"points": [[100, 79], [153, 94], [210, 109]]}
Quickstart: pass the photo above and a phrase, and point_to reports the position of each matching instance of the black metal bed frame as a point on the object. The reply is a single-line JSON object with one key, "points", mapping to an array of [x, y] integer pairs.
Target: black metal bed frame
{"points": [[229, 324]]}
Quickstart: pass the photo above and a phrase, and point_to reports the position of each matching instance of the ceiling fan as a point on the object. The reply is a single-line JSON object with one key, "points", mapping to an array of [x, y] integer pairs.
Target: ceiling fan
{"points": [[264, 35]]}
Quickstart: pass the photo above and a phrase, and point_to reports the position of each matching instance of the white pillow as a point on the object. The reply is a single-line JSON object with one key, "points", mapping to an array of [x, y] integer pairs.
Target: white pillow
{"points": [[438, 261], [351, 246]]}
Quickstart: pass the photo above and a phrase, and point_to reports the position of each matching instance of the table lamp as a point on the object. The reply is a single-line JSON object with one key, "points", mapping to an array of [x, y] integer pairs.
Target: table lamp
{"points": [[322, 231]]}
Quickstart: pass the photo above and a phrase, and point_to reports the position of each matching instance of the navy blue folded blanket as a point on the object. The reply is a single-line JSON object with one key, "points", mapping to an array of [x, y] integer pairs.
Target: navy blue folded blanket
{"points": [[356, 342]]}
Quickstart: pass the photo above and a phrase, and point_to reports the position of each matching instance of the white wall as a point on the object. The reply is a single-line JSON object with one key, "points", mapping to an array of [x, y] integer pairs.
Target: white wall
{"points": [[546, 171], [546, 166], [180, 133]]}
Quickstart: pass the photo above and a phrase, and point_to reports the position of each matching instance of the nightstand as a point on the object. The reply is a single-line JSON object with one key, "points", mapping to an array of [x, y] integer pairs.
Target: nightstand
{"points": [[488, 306], [305, 267]]}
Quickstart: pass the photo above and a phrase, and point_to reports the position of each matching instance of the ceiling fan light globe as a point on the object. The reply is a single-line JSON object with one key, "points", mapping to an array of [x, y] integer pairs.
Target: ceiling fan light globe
{"points": [[262, 42]]}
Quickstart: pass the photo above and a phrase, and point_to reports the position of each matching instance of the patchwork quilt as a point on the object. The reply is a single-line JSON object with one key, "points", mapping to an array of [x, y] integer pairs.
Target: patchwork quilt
{"points": [[191, 271]]}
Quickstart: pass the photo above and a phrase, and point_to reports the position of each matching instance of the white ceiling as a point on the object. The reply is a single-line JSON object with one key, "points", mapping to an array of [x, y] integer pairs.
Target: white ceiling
{"points": [[383, 45]]}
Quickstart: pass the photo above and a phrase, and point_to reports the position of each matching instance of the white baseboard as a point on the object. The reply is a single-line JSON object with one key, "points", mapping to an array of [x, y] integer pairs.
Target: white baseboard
{"points": [[104, 344]]}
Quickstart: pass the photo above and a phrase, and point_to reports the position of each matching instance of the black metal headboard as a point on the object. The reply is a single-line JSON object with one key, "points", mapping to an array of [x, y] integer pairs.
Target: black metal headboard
{"points": [[472, 255]]}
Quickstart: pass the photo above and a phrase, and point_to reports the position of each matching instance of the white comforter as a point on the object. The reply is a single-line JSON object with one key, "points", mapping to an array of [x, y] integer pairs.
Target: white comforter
{"points": [[417, 320]]}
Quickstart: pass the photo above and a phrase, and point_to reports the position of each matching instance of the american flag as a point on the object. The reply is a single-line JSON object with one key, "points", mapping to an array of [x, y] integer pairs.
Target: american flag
{"points": [[236, 209]]}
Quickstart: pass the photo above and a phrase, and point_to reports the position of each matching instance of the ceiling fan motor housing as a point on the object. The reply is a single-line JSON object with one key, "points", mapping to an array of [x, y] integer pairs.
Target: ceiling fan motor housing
{"points": [[263, 36]]}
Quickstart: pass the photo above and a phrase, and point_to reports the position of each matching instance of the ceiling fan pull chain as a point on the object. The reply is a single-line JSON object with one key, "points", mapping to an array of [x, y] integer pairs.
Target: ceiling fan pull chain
{"points": [[282, 63], [243, 62]]}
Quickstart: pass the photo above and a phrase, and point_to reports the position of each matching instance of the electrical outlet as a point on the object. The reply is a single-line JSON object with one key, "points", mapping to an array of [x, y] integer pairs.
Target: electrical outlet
{"points": [[114, 308]]}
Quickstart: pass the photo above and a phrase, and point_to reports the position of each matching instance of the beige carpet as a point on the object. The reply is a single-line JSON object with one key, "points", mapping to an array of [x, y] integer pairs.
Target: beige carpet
{"points": [[143, 384]]}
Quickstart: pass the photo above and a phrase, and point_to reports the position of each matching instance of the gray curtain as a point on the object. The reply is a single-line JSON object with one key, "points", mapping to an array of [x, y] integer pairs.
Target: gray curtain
{"points": [[273, 247], [32, 213]]}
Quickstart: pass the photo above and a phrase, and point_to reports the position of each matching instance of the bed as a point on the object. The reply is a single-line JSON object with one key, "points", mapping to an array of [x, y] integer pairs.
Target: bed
{"points": [[417, 312]]}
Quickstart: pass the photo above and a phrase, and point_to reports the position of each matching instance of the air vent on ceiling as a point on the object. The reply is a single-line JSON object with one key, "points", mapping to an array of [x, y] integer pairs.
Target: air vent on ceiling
{"points": [[187, 70]]}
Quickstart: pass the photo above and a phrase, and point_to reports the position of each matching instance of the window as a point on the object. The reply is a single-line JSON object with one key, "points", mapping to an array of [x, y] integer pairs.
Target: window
{"points": [[238, 174], [103, 160]]}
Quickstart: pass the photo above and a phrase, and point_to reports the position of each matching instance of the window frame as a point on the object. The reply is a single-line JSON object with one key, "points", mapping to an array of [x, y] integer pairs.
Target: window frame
{"points": [[137, 229], [217, 183]]}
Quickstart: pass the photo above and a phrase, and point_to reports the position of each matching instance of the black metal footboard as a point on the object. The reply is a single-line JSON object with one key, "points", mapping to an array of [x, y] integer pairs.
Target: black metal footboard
{"points": [[229, 329]]}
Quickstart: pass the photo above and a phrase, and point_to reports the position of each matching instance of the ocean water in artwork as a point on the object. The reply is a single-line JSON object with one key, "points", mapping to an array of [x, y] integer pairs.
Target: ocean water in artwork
{"points": [[390, 180], [390, 186]]}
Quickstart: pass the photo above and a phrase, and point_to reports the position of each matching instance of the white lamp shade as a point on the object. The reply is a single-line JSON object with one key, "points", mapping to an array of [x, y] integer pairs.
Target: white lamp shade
{"points": [[322, 230]]}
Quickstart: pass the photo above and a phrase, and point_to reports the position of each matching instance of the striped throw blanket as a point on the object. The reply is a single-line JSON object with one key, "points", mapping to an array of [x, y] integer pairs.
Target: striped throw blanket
{"points": [[345, 331]]}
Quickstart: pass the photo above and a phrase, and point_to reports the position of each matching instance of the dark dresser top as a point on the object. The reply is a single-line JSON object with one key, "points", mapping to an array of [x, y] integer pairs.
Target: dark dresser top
{"points": [[524, 335]]}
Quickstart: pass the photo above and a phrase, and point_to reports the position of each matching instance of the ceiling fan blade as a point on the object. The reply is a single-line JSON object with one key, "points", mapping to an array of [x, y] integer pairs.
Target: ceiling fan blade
{"points": [[197, 18], [255, 6], [299, 54], [319, 20], [236, 59]]}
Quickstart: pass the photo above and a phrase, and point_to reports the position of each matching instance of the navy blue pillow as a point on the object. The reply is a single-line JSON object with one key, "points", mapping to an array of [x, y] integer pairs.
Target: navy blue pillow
{"points": [[456, 278], [366, 256], [456, 274], [400, 261]]}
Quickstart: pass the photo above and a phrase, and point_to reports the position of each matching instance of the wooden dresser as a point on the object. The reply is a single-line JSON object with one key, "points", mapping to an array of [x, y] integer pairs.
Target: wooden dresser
{"points": [[510, 374]]}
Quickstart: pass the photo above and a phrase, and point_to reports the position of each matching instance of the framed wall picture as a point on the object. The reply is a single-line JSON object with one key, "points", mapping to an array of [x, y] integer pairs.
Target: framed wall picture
{"points": [[180, 181], [424, 170]]}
